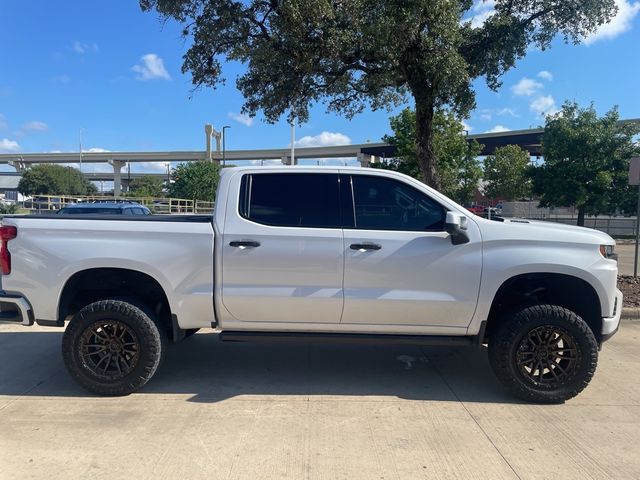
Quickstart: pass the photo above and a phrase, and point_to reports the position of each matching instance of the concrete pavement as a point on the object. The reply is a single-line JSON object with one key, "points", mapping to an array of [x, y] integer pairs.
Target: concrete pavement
{"points": [[299, 411]]}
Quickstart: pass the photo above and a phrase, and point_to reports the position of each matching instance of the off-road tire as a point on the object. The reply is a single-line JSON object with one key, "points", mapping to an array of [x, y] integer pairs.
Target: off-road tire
{"points": [[508, 354], [99, 319]]}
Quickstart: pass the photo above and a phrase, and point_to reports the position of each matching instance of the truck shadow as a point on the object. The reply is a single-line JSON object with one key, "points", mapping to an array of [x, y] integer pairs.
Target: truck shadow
{"points": [[207, 370]]}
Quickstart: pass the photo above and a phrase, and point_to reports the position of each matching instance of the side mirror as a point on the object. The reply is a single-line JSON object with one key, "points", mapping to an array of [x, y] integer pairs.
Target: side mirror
{"points": [[456, 226]]}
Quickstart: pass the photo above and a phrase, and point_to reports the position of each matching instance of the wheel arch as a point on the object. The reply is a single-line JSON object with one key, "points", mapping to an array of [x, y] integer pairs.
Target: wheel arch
{"points": [[99, 283], [568, 291]]}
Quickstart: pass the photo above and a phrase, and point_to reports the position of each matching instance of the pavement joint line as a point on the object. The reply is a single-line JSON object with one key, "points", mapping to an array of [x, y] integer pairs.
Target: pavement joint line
{"points": [[437, 370], [26, 392]]}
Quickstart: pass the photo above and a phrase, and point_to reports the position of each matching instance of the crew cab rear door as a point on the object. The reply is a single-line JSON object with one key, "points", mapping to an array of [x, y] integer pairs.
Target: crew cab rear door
{"points": [[401, 268], [282, 258]]}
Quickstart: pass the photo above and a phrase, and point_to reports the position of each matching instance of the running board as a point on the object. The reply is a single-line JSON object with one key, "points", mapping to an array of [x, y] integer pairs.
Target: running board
{"points": [[359, 338]]}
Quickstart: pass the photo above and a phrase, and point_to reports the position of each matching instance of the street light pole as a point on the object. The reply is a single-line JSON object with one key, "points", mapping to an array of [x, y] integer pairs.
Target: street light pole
{"points": [[224, 145]]}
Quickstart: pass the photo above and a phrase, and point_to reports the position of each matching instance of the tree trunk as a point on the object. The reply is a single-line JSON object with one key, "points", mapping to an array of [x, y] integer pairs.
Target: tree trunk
{"points": [[581, 216], [424, 141]]}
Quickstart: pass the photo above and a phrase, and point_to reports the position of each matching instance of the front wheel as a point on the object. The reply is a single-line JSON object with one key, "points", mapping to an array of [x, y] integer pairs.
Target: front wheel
{"points": [[112, 347], [544, 353]]}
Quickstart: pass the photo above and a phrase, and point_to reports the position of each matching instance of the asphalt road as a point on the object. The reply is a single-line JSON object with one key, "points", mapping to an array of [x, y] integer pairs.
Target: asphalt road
{"points": [[298, 411]]}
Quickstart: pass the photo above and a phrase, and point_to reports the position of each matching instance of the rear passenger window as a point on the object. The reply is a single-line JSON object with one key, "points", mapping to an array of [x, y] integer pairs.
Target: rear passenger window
{"points": [[291, 199], [386, 204]]}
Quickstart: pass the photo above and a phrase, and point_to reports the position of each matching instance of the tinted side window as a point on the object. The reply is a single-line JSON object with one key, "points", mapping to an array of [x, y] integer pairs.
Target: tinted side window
{"points": [[291, 199], [386, 204], [127, 211]]}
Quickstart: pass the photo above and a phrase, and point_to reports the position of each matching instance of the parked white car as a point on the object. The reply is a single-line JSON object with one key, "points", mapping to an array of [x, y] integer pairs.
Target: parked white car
{"points": [[297, 253]]}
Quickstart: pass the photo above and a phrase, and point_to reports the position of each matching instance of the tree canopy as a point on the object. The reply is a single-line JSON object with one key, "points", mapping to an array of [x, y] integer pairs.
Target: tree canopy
{"points": [[506, 173], [195, 181], [50, 179], [458, 165], [146, 186], [586, 160], [369, 53]]}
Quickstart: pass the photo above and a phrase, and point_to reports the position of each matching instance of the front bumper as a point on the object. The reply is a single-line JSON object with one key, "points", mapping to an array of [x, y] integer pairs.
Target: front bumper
{"points": [[610, 324], [14, 308]]}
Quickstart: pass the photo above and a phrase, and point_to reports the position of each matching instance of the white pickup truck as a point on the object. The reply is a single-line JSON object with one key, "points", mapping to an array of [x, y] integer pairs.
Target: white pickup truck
{"points": [[316, 254]]}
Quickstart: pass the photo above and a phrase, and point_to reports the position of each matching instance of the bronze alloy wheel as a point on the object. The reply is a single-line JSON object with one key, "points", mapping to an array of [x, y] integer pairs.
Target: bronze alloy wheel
{"points": [[548, 356], [543, 353], [109, 349]]}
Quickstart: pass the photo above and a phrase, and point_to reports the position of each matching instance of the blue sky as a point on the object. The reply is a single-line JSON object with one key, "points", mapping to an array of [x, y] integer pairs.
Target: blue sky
{"points": [[109, 69]]}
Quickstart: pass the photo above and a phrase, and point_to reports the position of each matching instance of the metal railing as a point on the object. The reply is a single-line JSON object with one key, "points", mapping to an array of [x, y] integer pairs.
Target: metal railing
{"points": [[40, 204]]}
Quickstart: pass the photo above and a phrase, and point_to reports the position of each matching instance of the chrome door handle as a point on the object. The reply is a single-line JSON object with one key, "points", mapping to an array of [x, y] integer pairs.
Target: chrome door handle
{"points": [[365, 246], [244, 243]]}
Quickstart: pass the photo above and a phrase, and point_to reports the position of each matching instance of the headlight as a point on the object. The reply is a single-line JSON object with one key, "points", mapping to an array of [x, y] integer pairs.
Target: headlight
{"points": [[607, 252]]}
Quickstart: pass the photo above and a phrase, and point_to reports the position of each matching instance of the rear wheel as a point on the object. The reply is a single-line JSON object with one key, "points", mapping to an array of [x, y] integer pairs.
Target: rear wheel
{"points": [[112, 347], [544, 353]]}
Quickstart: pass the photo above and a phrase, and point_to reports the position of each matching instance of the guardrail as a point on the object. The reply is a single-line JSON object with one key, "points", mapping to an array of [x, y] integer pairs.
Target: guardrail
{"points": [[174, 206]]}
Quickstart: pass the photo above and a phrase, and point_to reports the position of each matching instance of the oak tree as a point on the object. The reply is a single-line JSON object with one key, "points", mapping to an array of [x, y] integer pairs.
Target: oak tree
{"points": [[357, 54], [506, 173], [586, 160], [457, 158]]}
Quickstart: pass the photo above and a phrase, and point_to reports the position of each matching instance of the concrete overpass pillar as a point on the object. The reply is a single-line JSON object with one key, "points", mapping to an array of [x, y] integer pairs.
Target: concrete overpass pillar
{"points": [[286, 160], [117, 176], [364, 159], [19, 165], [209, 133]]}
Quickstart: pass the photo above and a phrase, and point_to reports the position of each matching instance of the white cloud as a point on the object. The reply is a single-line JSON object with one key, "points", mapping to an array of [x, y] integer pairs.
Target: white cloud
{"points": [[482, 9], [480, 5], [83, 48], [324, 139], [3, 122], [96, 150], [7, 145], [35, 126], [498, 129], [545, 75], [618, 24], [544, 105], [526, 87], [245, 120], [151, 68], [507, 111], [466, 126]]}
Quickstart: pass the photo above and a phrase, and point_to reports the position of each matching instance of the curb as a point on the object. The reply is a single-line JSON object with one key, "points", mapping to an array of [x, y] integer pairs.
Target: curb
{"points": [[630, 313]]}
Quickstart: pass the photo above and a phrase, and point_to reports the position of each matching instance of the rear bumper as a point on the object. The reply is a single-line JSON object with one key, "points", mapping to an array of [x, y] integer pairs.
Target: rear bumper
{"points": [[14, 308], [610, 324]]}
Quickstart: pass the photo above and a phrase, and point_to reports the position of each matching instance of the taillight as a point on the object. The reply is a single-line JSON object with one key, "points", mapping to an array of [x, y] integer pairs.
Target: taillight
{"points": [[7, 232]]}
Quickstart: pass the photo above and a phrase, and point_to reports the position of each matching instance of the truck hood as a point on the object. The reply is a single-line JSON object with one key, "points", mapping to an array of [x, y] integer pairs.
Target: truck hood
{"points": [[522, 229]]}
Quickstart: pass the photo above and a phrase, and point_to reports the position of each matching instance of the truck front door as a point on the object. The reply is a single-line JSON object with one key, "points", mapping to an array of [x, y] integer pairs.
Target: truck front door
{"points": [[401, 269]]}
